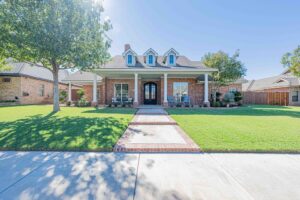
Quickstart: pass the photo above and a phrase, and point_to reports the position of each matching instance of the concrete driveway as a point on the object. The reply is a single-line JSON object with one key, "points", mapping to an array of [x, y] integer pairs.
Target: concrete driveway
{"points": [[64, 175]]}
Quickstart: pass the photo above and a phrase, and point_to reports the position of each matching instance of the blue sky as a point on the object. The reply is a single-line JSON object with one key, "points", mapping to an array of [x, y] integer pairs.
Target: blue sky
{"points": [[262, 30]]}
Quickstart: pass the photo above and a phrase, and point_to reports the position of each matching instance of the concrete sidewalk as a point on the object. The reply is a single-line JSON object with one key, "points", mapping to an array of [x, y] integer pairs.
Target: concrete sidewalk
{"points": [[66, 175]]}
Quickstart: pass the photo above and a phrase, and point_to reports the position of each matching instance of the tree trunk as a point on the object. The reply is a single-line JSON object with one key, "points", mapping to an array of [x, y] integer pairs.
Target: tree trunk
{"points": [[55, 89]]}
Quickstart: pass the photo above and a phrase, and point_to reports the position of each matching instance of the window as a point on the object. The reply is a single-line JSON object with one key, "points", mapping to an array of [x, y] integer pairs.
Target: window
{"points": [[295, 96], [232, 89], [180, 89], [129, 59], [42, 90], [121, 91], [150, 59], [6, 80], [171, 59]]}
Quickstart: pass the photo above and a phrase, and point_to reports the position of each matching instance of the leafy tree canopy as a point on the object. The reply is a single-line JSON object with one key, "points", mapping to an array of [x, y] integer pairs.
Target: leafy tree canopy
{"points": [[229, 67], [56, 34], [292, 61]]}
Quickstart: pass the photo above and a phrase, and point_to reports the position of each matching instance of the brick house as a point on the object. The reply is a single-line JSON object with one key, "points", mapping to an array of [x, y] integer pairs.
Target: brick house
{"points": [[29, 84], [148, 79], [285, 82]]}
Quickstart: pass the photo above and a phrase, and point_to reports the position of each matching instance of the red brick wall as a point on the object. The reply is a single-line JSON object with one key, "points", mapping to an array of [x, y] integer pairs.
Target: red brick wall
{"points": [[195, 90]]}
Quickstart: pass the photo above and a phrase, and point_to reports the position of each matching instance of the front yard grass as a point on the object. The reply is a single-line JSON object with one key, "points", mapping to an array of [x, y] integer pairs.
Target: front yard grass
{"points": [[246, 129], [35, 127]]}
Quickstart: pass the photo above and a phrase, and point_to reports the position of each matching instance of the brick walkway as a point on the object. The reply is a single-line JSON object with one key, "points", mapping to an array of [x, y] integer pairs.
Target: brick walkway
{"points": [[153, 130]]}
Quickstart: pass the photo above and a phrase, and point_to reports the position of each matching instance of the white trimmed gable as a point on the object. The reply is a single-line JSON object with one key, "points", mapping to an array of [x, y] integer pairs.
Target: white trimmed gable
{"points": [[130, 57], [170, 57], [150, 57]]}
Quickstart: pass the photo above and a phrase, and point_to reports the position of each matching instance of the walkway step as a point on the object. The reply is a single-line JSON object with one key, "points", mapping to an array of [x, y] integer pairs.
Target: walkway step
{"points": [[153, 123]]}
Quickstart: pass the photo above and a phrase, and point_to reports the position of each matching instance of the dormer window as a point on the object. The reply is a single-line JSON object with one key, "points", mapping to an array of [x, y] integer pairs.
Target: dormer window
{"points": [[170, 57], [129, 56], [150, 57], [129, 59]]}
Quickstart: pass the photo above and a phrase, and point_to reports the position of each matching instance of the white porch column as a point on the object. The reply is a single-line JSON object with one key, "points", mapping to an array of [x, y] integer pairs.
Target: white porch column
{"points": [[136, 100], [206, 102], [70, 92], [165, 88], [95, 101]]}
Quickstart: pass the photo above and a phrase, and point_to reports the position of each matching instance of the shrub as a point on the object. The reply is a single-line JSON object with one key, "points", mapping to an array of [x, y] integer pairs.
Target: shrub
{"points": [[63, 96], [237, 96], [229, 98], [83, 102], [80, 93]]}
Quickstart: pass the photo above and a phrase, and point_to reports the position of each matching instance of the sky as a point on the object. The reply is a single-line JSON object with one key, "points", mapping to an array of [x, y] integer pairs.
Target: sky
{"points": [[262, 30]]}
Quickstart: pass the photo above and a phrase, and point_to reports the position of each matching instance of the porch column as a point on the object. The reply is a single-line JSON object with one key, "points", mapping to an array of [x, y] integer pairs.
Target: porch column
{"points": [[206, 102], [95, 101], [70, 92], [165, 89], [136, 100]]}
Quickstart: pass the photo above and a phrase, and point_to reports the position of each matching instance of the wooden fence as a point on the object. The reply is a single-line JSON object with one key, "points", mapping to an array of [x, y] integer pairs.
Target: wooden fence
{"points": [[270, 98]]}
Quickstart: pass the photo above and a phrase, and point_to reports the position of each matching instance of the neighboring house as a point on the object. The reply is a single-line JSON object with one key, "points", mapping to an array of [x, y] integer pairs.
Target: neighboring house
{"points": [[148, 79], [29, 84], [285, 82]]}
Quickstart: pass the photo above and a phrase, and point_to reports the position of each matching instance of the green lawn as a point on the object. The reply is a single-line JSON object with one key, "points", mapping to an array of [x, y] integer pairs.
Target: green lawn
{"points": [[250, 128], [35, 127]]}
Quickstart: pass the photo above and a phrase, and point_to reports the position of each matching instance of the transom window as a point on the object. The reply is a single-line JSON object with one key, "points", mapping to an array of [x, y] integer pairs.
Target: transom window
{"points": [[121, 91], [129, 59], [171, 59], [295, 96], [150, 59], [180, 90]]}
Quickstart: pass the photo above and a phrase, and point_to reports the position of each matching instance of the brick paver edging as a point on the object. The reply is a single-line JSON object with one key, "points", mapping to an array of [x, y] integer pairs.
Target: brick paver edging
{"points": [[189, 146]]}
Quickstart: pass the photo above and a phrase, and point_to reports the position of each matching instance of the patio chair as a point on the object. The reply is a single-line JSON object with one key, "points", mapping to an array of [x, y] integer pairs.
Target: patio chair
{"points": [[186, 101], [171, 101], [128, 101], [115, 101]]}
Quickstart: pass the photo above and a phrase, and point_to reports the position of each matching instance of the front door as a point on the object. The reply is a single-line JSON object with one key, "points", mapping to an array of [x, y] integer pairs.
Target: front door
{"points": [[150, 93]]}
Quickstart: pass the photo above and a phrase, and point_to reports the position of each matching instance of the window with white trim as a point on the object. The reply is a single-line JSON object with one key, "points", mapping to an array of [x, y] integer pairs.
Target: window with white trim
{"points": [[42, 90], [129, 59], [180, 90], [171, 59], [121, 90], [150, 59], [295, 96]]}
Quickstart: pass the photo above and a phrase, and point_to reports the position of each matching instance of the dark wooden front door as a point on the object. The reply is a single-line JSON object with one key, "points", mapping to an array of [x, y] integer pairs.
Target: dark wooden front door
{"points": [[150, 93]]}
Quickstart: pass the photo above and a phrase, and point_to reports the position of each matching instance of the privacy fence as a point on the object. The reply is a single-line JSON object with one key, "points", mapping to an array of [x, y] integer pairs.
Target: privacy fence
{"points": [[270, 98]]}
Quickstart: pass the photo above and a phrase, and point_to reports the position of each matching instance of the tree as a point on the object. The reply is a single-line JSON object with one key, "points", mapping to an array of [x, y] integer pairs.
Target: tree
{"points": [[229, 69], [292, 61], [54, 34]]}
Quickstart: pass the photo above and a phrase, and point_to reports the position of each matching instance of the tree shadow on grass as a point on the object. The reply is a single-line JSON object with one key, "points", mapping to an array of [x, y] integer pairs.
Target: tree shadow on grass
{"points": [[61, 133], [111, 111], [241, 111]]}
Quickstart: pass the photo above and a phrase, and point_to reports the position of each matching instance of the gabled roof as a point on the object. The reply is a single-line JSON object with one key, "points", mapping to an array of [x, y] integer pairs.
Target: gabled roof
{"points": [[149, 51], [82, 76], [129, 51], [281, 81], [171, 50], [34, 71], [182, 62]]}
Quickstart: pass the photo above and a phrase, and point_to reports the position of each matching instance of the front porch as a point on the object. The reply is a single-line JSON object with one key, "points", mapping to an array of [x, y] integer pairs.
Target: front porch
{"points": [[153, 88]]}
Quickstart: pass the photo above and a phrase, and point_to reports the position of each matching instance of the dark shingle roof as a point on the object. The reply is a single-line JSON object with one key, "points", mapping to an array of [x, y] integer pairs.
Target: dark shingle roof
{"points": [[283, 80], [82, 76], [181, 62], [26, 69]]}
